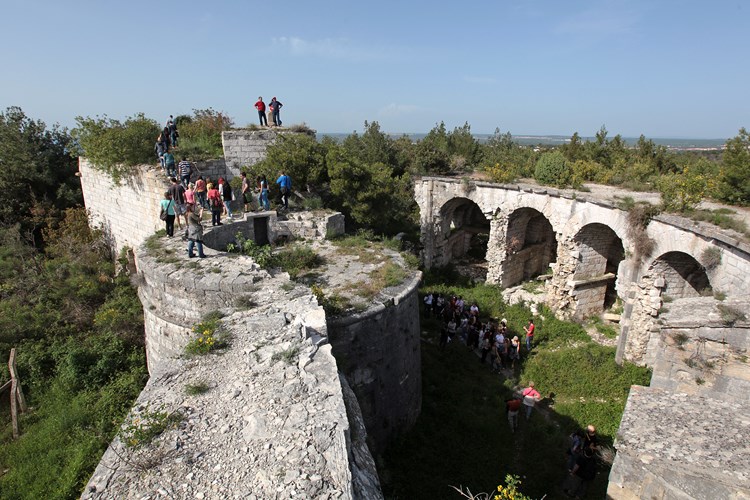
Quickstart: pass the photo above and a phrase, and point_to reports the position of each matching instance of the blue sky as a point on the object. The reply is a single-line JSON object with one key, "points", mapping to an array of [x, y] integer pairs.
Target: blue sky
{"points": [[661, 68]]}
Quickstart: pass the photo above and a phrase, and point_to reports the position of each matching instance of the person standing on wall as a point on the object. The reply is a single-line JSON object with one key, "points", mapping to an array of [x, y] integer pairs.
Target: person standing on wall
{"points": [[285, 186], [261, 107], [186, 171], [275, 109], [173, 134], [169, 164]]}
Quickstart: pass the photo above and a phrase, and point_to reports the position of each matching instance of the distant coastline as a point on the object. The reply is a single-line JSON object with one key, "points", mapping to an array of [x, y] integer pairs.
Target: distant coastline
{"points": [[556, 140]]}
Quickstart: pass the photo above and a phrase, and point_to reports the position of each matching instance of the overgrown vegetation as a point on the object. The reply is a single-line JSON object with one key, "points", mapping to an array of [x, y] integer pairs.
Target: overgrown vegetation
{"points": [[114, 147], [295, 260], [145, 425], [200, 134]]}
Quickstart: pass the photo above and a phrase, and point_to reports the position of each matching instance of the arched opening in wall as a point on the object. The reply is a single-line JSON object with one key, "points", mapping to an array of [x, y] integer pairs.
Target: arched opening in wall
{"points": [[466, 232], [600, 252], [531, 246], [683, 275]]}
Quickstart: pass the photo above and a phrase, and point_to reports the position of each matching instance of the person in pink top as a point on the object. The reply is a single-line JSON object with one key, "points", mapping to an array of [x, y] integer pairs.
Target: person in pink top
{"points": [[530, 397], [190, 194]]}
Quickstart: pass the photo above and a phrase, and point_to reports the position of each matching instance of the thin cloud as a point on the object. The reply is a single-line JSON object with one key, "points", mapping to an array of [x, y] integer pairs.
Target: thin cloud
{"points": [[394, 109], [483, 80], [328, 48], [605, 20]]}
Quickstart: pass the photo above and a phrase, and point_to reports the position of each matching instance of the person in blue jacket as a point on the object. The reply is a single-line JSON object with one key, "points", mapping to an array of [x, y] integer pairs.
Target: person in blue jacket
{"points": [[285, 186]]}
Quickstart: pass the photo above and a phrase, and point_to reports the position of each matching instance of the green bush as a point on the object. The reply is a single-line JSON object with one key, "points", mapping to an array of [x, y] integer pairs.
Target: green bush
{"points": [[200, 134], [113, 146], [552, 169]]}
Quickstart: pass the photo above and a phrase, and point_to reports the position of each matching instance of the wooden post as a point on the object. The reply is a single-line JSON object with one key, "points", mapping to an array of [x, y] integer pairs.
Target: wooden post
{"points": [[16, 393]]}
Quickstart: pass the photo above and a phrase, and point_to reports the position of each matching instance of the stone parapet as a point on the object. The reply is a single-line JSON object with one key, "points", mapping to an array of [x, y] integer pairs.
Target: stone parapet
{"points": [[378, 351], [702, 454]]}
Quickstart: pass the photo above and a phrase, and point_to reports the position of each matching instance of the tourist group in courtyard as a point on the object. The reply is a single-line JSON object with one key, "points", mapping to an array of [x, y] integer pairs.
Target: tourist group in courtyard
{"points": [[499, 349]]}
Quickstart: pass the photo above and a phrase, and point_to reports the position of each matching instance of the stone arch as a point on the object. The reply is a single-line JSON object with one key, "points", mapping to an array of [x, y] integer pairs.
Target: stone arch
{"points": [[466, 229], [683, 276], [599, 253], [530, 246]]}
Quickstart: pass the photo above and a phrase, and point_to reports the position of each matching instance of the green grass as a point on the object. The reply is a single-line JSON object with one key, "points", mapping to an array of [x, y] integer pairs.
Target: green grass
{"points": [[297, 260], [462, 435], [721, 217]]}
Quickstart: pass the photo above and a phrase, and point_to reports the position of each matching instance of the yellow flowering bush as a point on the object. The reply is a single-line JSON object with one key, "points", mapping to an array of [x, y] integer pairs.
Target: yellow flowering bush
{"points": [[210, 336]]}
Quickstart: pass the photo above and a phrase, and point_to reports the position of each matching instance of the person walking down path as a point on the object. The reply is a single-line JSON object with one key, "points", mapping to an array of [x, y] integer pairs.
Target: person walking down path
{"points": [[226, 194], [285, 186], [247, 196], [512, 406], [195, 230], [169, 163], [167, 212], [275, 109], [530, 397], [529, 329], [186, 171], [177, 191], [261, 107], [214, 201], [263, 202]]}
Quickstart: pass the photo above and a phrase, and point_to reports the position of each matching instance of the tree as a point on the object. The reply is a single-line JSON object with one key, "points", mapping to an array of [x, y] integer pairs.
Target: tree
{"points": [[553, 169], [735, 179], [463, 148], [433, 155], [38, 171], [300, 156], [573, 149]]}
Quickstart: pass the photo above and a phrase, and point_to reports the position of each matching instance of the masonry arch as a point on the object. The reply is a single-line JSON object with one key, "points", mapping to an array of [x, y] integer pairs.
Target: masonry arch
{"points": [[683, 276], [600, 252], [466, 229], [530, 246]]}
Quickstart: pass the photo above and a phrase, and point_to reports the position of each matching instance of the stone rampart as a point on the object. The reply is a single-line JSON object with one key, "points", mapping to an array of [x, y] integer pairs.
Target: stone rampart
{"points": [[275, 422], [379, 353]]}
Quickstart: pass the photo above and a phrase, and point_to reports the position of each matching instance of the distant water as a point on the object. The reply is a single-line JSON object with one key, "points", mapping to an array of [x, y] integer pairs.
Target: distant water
{"points": [[554, 140]]}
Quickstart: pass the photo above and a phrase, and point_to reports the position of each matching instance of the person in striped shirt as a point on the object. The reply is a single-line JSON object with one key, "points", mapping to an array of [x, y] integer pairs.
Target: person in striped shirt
{"points": [[185, 168]]}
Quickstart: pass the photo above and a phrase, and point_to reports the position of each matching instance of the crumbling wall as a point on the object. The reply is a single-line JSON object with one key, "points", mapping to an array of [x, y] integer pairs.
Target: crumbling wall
{"points": [[244, 148]]}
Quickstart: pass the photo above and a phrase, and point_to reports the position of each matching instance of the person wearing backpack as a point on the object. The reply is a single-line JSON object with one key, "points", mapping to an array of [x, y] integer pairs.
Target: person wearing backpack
{"points": [[215, 203]]}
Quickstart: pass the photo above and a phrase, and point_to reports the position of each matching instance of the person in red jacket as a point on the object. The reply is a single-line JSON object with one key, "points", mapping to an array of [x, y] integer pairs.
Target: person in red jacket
{"points": [[261, 107]]}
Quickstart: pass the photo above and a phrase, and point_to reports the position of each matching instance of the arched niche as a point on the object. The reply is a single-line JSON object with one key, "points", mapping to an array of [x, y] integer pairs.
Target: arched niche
{"points": [[683, 276], [599, 252], [530, 246], [466, 230]]}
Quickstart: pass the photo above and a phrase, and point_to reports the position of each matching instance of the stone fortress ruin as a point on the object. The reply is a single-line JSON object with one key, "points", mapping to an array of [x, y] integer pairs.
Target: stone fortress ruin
{"points": [[684, 314], [276, 425]]}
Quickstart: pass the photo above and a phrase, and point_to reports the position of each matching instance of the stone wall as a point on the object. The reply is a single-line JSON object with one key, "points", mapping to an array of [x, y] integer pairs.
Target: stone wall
{"points": [[379, 353], [243, 148], [128, 213]]}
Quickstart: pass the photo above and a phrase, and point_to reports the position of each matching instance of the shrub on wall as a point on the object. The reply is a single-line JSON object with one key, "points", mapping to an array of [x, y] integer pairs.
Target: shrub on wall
{"points": [[113, 146], [200, 134], [552, 169]]}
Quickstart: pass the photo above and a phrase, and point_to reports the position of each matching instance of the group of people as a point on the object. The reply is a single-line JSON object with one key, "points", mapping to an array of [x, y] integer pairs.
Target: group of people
{"points": [[186, 201], [165, 144], [461, 321], [269, 112]]}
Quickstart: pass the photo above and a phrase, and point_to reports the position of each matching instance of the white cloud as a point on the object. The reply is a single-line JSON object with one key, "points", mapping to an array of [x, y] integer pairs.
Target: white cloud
{"points": [[328, 48], [394, 109], [484, 80]]}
